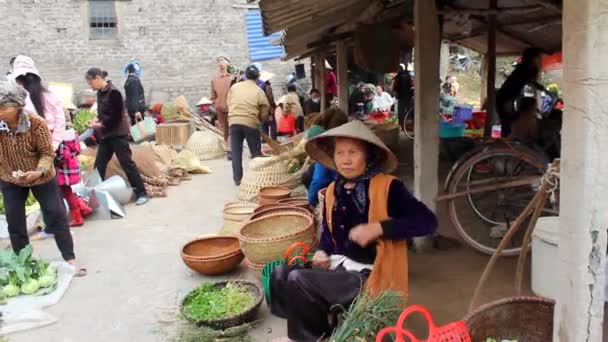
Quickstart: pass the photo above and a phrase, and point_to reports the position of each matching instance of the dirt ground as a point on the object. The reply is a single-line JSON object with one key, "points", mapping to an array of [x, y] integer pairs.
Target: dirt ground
{"points": [[136, 273]]}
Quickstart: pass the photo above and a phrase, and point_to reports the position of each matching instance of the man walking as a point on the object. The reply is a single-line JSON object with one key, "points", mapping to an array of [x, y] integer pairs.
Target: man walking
{"points": [[220, 86], [402, 87], [248, 106]]}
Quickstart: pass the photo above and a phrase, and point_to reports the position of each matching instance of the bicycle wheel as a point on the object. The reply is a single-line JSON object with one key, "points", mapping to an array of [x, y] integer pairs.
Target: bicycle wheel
{"points": [[482, 218], [408, 123]]}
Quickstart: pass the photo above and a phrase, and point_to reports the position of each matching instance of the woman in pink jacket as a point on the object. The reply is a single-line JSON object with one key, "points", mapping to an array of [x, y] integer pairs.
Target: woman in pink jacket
{"points": [[48, 106]]}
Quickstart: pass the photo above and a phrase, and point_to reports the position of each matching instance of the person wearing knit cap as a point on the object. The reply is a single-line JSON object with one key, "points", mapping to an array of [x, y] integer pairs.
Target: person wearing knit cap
{"points": [[27, 165]]}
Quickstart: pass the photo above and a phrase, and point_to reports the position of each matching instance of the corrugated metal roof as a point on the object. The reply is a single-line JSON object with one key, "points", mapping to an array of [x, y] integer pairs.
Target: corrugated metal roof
{"points": [[260, 45], [521, 23]]}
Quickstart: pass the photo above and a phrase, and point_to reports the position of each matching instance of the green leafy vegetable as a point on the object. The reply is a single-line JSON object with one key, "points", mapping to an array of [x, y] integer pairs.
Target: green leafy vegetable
{"points": [[81, 119], [208, 302], [25, 274]]}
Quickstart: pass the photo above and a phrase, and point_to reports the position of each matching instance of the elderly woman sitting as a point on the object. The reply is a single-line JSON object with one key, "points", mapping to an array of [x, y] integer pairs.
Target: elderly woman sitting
{"points": [[369, 215]]}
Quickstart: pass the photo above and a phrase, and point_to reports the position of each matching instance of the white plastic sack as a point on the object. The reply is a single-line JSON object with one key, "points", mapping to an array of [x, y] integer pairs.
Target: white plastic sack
{"points": [[25, 312], [33, 219]]}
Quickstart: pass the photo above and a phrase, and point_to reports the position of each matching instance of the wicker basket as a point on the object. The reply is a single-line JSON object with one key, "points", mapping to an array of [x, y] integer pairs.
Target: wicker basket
{"points": [[267, 206], [206, 145], [262, 172], [296, 202], [235, 215], [266, 239], [279, 209], [212, 255], [228, 322], [273, 194], [528, 319], [388, 133], [256, 269]]}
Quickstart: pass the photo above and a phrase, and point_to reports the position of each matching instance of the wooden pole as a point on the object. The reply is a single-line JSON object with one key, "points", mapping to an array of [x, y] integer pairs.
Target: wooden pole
{"points": [[491, 71], [426, 122], [342, 69], [320, 76], [584, 186]]}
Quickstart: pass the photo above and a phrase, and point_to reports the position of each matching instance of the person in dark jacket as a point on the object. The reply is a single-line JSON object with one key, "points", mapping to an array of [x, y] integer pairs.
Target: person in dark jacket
{"points": [[402, 87], [113, 128], [313, 104], [526, 72], [134, 94]]}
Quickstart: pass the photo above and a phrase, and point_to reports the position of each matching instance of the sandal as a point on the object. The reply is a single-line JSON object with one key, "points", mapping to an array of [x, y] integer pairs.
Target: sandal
{"points": [[41, 236], [80, 273]]}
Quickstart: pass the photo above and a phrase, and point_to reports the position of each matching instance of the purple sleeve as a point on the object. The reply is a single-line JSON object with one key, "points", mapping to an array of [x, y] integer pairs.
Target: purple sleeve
{"points": [[408, 216], [326, 244]]}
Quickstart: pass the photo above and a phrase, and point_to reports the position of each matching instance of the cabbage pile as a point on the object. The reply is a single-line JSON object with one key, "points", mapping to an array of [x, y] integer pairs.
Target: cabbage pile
{"points": [[23, 274]]}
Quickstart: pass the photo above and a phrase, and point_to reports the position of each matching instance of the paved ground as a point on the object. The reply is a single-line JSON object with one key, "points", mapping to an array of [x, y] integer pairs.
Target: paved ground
{"points": [[135, 271]]}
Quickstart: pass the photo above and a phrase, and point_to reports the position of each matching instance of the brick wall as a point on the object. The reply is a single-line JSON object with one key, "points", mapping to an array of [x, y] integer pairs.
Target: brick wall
{"points": [[176, 41]]}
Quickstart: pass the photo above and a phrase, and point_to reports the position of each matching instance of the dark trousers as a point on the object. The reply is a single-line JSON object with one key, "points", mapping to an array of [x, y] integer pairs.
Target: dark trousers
{"points": [[53, 211], [132, 118], [238, 134], [120, 146], [300, 124], [270, 127], [403, 105], [306, 297]]}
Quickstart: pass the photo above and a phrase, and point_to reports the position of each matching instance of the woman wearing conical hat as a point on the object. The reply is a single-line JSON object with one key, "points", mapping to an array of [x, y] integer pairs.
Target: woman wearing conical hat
{"points": [[369, 215]]}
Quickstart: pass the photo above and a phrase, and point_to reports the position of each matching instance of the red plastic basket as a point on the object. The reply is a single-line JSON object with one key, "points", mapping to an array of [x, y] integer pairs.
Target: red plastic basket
{"points": [[453, 332]]}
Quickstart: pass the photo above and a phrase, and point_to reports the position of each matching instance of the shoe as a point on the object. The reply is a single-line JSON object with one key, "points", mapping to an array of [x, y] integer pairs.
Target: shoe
{"points": [[141, 200], [229, 157], [85, 210], [77, 220], [237, 183]]}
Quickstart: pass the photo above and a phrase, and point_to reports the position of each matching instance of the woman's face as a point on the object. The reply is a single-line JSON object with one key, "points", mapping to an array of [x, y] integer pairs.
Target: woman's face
{"points": [[96, 83], [350, 157], [379, 90], [8, 113]]}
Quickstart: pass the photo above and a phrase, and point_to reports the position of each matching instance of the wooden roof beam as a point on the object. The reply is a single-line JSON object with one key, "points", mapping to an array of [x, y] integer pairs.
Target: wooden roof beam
{"points": [[274, 21], [513, 10]]}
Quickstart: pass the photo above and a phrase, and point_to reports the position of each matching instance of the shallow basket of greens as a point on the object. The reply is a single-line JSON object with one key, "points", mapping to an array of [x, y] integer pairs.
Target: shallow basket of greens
{"points": [[222, 305], [24, 275]]}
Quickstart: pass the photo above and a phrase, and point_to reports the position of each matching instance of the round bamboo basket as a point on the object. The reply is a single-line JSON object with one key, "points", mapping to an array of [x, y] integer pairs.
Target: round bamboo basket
{"points": [[235, 215], [273, 194], [296, 202], [266, 239], [527, 319], [283, 209], [212, 255]]}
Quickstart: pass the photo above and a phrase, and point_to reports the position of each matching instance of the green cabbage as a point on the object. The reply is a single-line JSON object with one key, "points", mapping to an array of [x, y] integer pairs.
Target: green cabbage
{"points": [[31, 286]]}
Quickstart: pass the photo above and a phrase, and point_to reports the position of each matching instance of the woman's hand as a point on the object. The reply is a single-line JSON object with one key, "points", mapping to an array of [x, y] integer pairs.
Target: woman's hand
{"points": [[94, 124], [321, 260], [29, 177], [365, 234]]}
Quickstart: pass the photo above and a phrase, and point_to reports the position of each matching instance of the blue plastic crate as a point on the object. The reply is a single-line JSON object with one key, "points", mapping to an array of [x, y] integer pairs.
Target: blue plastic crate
{"points": [[462, 114]]}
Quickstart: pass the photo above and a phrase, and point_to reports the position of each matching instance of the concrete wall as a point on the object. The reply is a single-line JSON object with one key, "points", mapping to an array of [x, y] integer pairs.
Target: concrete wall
{"points": [[176, 41]]}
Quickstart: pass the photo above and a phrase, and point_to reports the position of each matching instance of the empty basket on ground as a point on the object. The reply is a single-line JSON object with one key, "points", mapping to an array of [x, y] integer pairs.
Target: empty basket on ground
{"points": [[388, 133], [266, 239], [261, 172], [273, 194], [206, 145], [296, 202], [527, 319], [174, 133], [279, 209], [235, 215], [212, 255]]}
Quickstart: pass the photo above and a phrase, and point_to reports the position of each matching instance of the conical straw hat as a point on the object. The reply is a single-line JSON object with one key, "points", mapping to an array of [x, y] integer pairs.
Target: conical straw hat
{"points": [[319, 147]]}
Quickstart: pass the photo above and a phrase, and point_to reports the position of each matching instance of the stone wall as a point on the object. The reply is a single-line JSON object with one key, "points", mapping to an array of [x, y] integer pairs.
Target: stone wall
{"points": [[176, 41]]}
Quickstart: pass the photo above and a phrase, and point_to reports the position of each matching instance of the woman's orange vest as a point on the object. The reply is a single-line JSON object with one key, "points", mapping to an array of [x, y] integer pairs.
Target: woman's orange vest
{"points": [[390, 267]]}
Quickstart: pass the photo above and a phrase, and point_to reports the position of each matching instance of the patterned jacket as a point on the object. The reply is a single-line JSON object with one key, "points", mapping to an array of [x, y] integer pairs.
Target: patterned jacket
{"points": [[67, 164]]}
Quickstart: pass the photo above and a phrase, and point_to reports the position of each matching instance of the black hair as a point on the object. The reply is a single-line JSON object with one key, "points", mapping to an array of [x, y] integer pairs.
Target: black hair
{"points": [[131, 69], [33, 84], [315, 90], [94, 72], [252, 73], [12, 61], [331, 118], [291, 87], [529, 54]]}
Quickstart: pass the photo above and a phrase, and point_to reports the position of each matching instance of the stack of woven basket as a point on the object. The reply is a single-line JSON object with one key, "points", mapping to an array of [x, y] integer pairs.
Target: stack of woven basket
{"points": [[206, 145]]}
